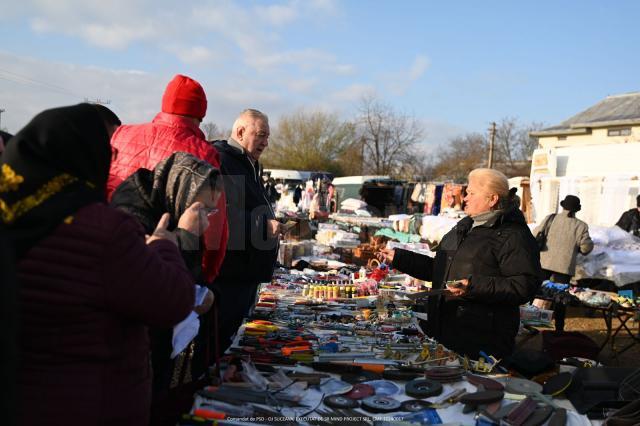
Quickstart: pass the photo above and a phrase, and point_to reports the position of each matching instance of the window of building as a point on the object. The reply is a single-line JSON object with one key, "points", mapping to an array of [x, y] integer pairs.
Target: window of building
{"points": [[619, 132], [562, 138]]}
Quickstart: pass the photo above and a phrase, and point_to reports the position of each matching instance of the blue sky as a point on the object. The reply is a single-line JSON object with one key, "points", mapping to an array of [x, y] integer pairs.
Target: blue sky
{"points": [[456, 66]]}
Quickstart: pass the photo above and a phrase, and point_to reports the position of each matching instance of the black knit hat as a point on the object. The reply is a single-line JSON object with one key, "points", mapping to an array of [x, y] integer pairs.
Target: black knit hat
{"points": [[571, 203], [638, 201]]}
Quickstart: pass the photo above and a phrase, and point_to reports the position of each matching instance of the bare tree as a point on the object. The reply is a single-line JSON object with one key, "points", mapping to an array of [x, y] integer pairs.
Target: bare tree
{"points": [[313, 141], [463, 154], [387, 136], [528, 143], [213, 132], [515, 146], [418, 166]]}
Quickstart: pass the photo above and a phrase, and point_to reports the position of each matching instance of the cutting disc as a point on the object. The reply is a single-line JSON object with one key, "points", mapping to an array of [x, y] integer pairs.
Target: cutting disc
{"points": [[488, 384], [522, 386], [445, 374], [423, 388], [340, 401], [384, 387], [363, 376], [380, 404], [415, 405], [360, 390], [399, 375]]}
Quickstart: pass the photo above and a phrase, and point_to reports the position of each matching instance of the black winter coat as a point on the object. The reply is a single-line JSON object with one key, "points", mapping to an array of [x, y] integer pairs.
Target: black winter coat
{"points": [[630, 221], [251, 254], [502, 262]]}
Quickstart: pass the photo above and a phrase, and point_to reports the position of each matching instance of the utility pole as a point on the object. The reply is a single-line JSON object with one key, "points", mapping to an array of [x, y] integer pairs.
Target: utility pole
{"points": [[1, 111], [492, 137], [362, 143]]}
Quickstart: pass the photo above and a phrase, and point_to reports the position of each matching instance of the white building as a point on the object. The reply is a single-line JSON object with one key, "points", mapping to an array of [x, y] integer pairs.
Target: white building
{"points": [[594, 155]]}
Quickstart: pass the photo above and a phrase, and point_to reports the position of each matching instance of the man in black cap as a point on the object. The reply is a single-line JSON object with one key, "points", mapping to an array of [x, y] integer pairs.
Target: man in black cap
{"points": [[630, 220], [566, 237]]}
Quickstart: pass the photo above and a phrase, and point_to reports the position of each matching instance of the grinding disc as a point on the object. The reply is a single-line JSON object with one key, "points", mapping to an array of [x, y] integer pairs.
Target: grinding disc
{"points": [[340, 401], [539, 416], [522, 386], [445, 374], [557, 384], [384, 387], [360, 390], [483, 397], [488, 384], [380, 404], [363, 376], [415, 405], [399, 375], [423, 388]]}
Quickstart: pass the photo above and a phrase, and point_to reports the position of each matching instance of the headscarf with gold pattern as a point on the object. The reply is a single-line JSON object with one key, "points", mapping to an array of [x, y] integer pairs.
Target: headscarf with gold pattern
{"points": [[55, 165]]}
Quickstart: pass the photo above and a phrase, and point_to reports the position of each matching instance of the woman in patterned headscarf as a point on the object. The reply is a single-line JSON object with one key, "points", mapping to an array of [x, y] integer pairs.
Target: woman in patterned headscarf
{"points": [[183, 186], [83, 269], [186, 188]]}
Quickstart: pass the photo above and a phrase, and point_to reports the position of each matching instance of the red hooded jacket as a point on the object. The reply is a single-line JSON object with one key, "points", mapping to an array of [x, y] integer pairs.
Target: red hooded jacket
{"points": [[145, 145]]}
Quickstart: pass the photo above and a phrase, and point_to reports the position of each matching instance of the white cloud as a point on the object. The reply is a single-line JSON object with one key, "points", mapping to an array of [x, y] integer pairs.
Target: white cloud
{"points": [[439, 133], [329, 7], [251, 33], [399, 82], [192, 54], [278, 14], [303, 86], [420, 65], [352, 93], [116, 36], [30, 85]]}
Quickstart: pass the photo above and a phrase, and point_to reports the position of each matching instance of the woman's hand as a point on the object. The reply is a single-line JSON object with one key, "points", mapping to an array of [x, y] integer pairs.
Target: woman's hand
{"points": [[459, 289], [274, 228], [206, 304], [194, 219], [161, 232], [386, 255]]}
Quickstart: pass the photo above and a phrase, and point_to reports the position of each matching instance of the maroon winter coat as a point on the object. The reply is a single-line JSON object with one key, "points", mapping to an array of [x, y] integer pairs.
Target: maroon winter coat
{"points": [[87, 292]]}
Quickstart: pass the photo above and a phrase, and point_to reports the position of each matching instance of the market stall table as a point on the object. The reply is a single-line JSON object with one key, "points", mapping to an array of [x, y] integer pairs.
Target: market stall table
{"points": [[345, 345]]}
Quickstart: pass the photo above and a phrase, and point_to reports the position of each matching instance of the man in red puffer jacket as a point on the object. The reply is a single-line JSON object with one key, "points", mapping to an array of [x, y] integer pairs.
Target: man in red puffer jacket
{"points": [[176, 128]]}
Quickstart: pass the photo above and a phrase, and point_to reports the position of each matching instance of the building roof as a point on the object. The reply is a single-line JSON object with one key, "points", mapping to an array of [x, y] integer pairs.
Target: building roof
{"points": [[616, 110]]}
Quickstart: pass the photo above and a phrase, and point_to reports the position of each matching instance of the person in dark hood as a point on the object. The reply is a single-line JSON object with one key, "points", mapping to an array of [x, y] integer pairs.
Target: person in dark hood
{"points": [[495, 263], [89, 282], [109, 118]]}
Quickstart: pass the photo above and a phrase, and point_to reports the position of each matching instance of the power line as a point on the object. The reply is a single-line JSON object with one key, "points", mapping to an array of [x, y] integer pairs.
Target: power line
{"points": [[20, 79]]}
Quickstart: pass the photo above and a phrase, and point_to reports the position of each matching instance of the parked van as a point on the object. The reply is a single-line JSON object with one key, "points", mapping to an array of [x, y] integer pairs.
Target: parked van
{"points": [[289, 177]]}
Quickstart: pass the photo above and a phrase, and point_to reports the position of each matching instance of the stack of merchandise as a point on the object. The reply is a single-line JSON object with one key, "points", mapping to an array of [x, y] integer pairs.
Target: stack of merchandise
{"points": [[331, 235]]}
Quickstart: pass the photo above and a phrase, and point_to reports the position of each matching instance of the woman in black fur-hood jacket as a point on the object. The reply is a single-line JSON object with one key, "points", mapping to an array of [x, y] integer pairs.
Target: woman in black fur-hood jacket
{"points": [[494, 257]]}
